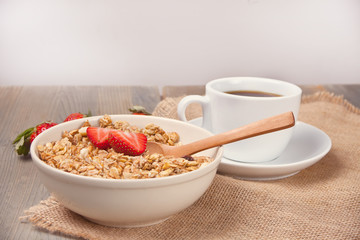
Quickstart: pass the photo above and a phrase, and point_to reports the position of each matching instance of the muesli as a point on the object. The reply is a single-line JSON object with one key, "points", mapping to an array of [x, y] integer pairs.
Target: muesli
{"points": [[76, 154]]}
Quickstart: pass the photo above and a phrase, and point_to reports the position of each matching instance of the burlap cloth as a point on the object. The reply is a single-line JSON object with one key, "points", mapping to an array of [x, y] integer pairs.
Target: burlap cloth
{"points": [[320, 202]]}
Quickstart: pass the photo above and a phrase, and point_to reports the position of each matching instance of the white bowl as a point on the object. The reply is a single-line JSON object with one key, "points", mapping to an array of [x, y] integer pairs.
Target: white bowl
{"points": [[128, 202]]}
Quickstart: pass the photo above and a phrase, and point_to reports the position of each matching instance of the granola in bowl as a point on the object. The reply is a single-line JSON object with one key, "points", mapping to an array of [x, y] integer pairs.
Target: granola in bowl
{"points": [[76, 154]]}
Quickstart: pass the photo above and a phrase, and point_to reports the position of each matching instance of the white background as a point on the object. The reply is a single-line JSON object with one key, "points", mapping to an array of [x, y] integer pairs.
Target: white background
{"points": [[178, 42]]}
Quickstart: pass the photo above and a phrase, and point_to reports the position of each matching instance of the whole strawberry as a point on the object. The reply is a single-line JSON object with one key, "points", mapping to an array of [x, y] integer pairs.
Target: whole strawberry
{"points": [[44, 126], [75, 116], [23, 140]]}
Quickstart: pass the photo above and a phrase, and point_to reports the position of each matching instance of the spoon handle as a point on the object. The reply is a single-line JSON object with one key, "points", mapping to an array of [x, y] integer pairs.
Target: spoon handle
{"points": [[267, 125]]}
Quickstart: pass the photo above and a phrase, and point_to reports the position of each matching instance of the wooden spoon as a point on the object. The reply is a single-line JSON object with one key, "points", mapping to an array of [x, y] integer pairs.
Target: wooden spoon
{"points": [[268, 125]]}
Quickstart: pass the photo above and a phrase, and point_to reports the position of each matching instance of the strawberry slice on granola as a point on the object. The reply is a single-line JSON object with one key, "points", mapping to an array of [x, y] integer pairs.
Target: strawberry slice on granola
{"points": [[99, 136], [129, 143]]}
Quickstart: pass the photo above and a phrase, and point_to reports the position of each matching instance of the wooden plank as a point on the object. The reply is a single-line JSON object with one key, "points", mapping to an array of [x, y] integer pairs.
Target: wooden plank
{"points": [[21, 187], [22, 107]]}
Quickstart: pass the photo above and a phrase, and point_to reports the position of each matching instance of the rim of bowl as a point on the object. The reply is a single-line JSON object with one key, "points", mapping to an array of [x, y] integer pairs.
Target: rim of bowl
{"points": [[113, 183]]}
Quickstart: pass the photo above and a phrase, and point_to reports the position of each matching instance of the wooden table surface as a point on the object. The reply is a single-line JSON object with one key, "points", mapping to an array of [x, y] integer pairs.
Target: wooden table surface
{"points": [[23, 107]]}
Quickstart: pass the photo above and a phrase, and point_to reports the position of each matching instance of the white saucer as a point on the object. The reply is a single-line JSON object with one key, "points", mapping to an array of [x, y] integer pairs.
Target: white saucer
{"points": [[307, 146]]}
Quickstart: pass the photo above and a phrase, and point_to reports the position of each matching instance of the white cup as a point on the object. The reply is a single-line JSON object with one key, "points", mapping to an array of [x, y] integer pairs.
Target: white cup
{"points": [[223, 111]]}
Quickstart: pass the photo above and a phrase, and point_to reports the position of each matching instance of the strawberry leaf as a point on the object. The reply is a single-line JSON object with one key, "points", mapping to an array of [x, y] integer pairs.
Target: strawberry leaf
{"points": [[26, 134], [22, 147]]}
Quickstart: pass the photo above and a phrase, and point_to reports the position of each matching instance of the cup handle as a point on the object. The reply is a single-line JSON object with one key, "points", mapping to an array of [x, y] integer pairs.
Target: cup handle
{"points": [[205, 104]]}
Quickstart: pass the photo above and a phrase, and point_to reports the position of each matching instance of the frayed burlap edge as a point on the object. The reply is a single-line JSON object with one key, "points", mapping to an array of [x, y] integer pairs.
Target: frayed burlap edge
{"points": [[34, 216], [32, 213], [332, 98], [168, 108]]}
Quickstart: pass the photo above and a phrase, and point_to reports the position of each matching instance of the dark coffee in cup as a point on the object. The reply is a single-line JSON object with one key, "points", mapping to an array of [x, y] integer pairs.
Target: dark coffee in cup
{"points": [[246, 93]]}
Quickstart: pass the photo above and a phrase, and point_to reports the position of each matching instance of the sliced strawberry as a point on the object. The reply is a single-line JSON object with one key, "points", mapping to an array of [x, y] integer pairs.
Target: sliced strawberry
{"points": [[99, 136], [129, 143]]}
